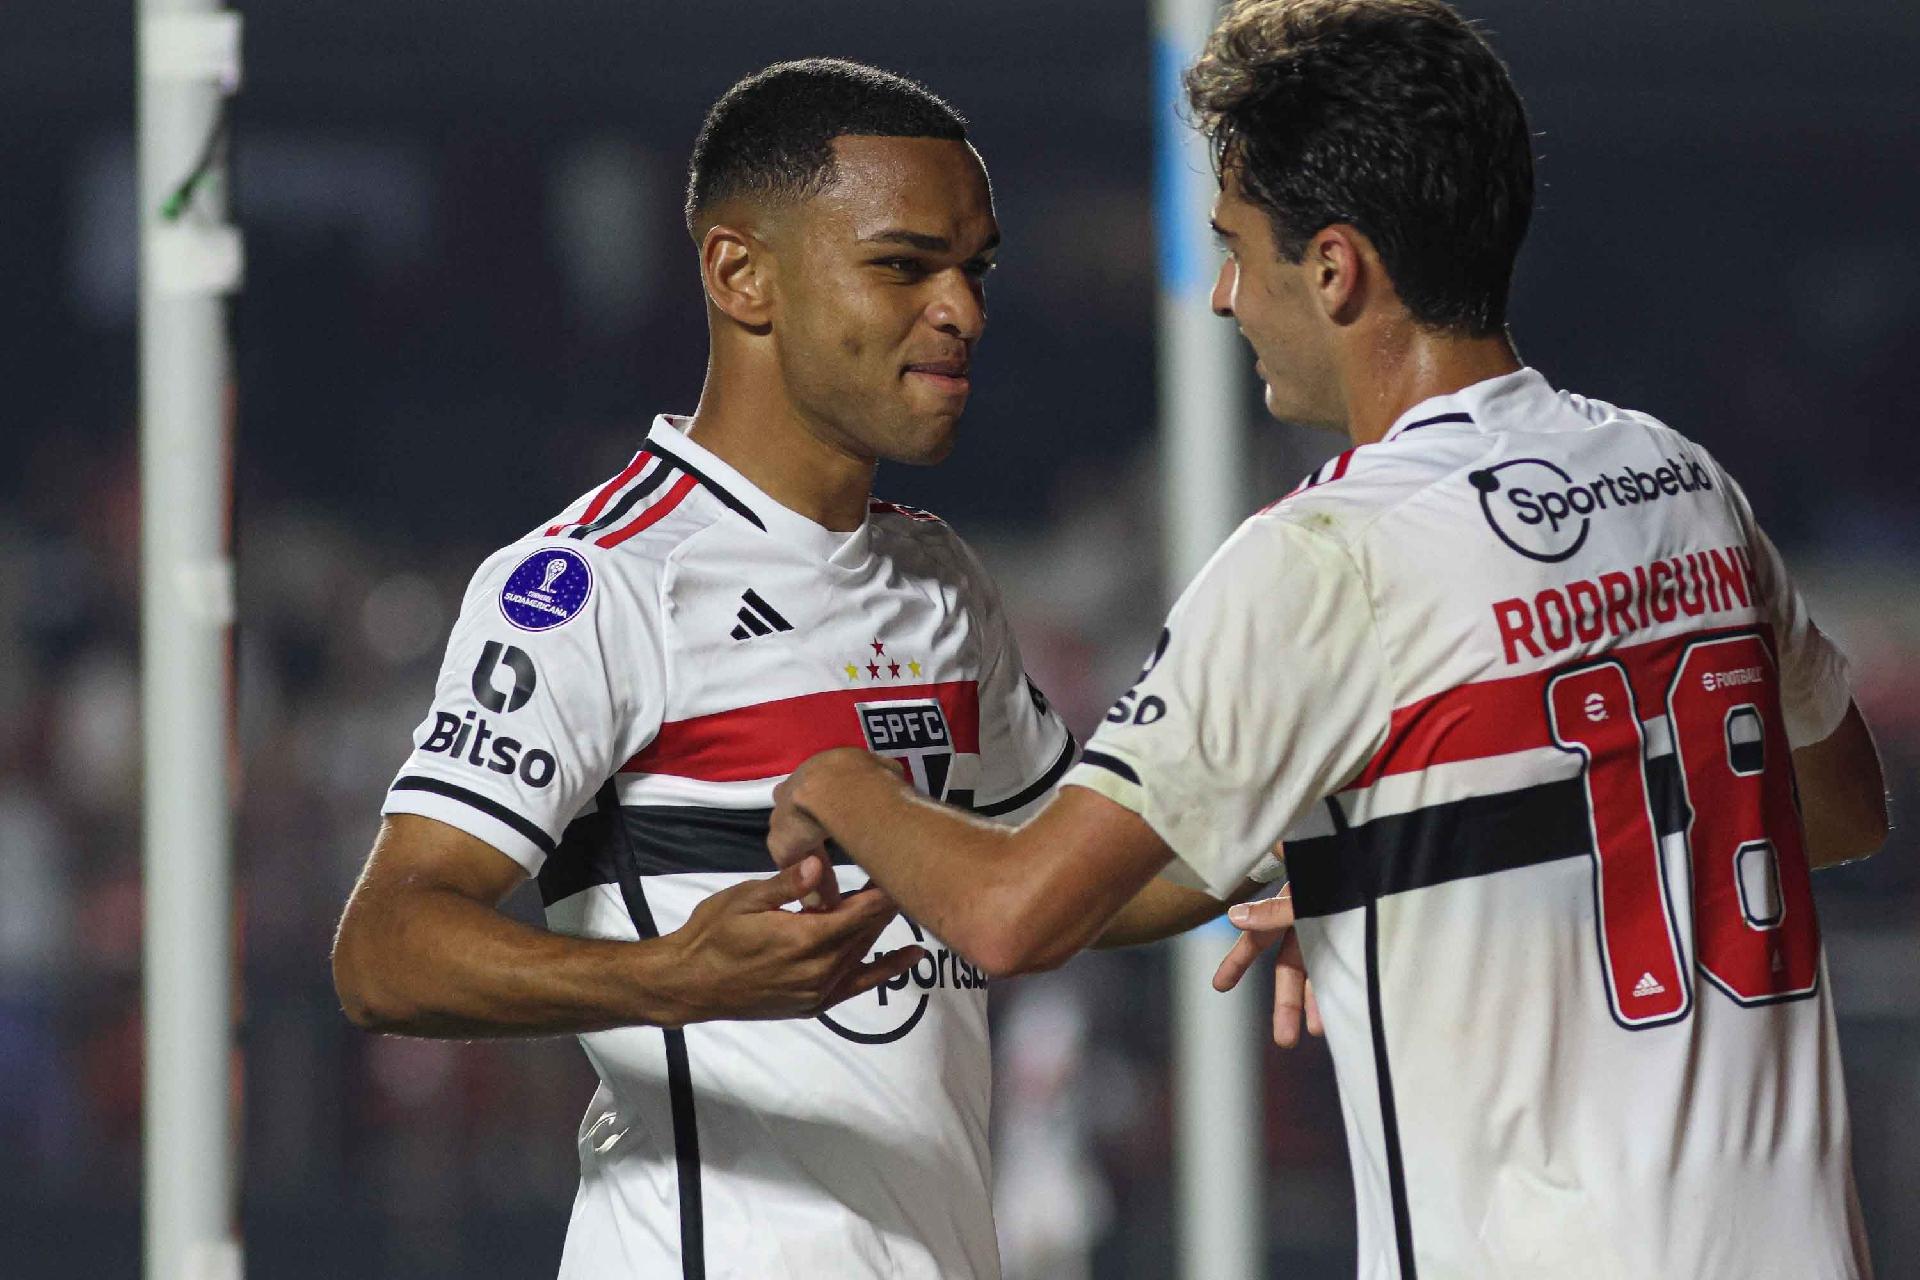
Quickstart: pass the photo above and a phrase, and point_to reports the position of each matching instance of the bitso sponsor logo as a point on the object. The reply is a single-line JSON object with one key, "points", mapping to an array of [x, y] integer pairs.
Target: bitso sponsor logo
{"points": [[517, 663], [895, 1007], [1538, 509], [914, 732], [547, 588], [472, 740]]}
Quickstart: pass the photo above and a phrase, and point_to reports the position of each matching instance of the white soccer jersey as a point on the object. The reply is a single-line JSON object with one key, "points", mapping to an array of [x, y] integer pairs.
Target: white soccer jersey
{"points": [[622, 692], [1519, 684]]}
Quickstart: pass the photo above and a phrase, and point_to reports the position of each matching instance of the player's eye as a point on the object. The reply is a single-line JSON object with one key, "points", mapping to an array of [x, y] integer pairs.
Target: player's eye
{"points": [[979, 269], [905, 266]]}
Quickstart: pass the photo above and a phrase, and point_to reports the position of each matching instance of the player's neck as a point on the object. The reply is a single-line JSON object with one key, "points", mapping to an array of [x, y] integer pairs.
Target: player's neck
{"points": [[765, 441], [1391, 377]]}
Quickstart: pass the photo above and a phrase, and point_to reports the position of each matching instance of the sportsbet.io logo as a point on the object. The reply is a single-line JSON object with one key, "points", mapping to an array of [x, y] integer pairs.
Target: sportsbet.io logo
{"points": [[1542, 512], [895, 1007]]}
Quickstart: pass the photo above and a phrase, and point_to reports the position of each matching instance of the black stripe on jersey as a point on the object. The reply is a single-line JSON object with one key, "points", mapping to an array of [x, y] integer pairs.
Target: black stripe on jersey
{"points": [[686, 1125], [492, 808], [660, 840], [1435, 420], [1459, 840], [648, 483], [1035, 789], [1112, 764], [654, 446], [1383, 1079]]}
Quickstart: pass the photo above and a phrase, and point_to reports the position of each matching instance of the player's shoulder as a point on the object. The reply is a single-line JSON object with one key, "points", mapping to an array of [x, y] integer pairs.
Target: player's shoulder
{"points": [[925, 547], [613, 545], [1344, 495], [917, 534], [635, 520]]}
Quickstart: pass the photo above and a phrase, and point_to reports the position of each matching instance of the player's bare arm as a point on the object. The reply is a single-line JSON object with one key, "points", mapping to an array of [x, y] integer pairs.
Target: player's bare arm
{"points": [[1013, 900], [423, 950], [1843, 793]]}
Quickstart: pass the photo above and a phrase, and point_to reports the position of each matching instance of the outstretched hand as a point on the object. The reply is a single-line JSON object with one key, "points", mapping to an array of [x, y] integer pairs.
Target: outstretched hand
{"points": [[1263, 924]]}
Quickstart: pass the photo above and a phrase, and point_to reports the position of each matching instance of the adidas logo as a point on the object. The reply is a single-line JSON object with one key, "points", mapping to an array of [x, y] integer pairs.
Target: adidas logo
{"points": [[758, 618], [1648, 986]]}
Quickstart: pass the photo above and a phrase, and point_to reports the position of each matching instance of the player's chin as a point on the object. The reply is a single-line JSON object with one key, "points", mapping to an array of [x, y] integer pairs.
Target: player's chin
{"points": [[926, 444]]}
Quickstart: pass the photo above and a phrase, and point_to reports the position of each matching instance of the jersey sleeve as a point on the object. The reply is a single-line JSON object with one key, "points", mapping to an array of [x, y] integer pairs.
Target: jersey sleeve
{"points": [[1266, 693], [1025, 746], [527, 723], [1814, 687]]}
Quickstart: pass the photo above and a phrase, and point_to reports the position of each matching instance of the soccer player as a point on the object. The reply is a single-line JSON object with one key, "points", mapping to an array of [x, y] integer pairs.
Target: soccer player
{"points": [[1550, 734], [626, 684]]}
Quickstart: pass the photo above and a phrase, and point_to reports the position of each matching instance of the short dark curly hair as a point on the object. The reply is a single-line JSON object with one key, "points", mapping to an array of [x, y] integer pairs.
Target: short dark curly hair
{"points": [[1393, 116], [771, 135]]}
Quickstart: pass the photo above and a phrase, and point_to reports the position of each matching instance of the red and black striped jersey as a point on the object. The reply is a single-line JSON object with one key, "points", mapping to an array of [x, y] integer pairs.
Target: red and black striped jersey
{"points": [[622, 692], [1519, 684]]}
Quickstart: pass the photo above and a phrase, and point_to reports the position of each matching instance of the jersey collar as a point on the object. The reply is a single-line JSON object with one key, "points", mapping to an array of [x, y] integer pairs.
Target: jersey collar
{"points": [[1493, 404], [668, 437]]}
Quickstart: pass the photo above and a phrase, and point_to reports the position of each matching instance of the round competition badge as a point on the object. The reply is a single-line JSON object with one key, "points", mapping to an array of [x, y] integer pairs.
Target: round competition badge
{"points": [[546, 589]]}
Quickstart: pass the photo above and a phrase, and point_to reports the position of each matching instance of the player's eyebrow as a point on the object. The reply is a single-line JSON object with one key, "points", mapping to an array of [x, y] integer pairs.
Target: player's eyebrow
{"points": [[923, 242]]}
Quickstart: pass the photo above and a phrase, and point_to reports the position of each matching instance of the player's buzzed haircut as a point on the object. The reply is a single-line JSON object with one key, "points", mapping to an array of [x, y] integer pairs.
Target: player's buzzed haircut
{"points": [[770, 137], [1393, 116]]}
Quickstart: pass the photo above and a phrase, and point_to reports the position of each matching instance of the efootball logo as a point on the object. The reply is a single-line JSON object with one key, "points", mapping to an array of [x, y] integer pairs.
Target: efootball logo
{"points": [[1542, 512], [914, 733]]}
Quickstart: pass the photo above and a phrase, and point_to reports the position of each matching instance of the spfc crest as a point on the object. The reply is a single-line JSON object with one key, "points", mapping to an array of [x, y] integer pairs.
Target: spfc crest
{"points": [[914, 732]]}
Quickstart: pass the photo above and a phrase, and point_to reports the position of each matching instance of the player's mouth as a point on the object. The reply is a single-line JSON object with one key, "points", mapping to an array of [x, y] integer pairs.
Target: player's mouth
{"points": [[948, 376]]}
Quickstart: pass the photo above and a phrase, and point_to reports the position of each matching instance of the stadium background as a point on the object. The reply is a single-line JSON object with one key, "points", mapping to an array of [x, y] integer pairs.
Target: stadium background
{"points": [[467, 292]]}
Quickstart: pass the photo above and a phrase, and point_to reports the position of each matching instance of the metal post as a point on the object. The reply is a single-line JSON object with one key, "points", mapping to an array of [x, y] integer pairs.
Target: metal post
{"points": [[1219, 1170], [189, 259]]}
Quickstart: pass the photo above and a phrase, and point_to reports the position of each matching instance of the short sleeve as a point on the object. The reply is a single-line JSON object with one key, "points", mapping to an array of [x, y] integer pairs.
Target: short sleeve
{"points": [[551, 681], [1025, 747], [1814, 687], [1266, 693]]}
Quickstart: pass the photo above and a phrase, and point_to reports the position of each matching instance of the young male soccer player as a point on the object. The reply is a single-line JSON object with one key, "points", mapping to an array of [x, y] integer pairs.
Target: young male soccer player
{"points": [[1523, 684], [626, 684]]}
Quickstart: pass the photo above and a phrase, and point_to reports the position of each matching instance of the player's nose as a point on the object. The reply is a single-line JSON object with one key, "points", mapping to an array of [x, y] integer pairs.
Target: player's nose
{"points": [[958, 308], [1222, 300]]}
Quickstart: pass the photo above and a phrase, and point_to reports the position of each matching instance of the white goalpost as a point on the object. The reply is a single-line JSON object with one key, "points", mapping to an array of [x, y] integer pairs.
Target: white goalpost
{"points": [[1220, 1173], [189, 260]]}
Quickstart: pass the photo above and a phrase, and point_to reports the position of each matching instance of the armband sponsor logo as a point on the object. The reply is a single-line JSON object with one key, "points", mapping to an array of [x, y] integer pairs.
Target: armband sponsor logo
{"points": [[895, 1007], [547, 588], [472, 740], [1539, 510]]}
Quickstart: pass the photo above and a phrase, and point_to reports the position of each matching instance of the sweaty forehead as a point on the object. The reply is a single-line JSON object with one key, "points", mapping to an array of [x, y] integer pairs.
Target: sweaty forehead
{"points": [[930, 186]]}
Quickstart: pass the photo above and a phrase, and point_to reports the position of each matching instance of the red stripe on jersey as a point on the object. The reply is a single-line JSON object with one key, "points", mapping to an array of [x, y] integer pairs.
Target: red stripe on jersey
{"points": [[652, 515], [772, 739], [606, 493], [1340, 465], [1497, 717], [880, 506]]}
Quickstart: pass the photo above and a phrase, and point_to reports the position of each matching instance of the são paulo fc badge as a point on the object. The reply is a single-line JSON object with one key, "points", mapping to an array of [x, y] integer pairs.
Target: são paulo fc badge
{"points": [[546, 589], [913, 732]]}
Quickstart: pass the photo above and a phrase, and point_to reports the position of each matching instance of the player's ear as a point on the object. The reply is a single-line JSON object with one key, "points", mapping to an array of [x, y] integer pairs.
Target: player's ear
{"points": [[1342, 270], [734, 270]]}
